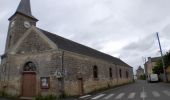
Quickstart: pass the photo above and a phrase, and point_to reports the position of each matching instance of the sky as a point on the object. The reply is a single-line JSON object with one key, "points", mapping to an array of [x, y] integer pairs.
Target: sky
{"points": [[122, 28]]}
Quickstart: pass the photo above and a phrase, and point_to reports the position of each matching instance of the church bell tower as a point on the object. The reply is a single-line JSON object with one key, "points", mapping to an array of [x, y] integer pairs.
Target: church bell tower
{"points": [[19, 23]]}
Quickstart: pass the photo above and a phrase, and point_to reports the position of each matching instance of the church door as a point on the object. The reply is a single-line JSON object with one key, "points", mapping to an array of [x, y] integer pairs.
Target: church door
{"points": [[80, 85], [29, 80]]}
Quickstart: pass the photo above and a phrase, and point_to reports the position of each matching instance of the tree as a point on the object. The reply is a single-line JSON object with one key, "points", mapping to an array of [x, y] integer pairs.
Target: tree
{"points": [[158, 68], [167, 59]]}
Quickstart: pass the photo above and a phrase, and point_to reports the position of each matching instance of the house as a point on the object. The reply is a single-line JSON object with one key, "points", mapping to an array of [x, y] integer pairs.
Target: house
{"points": [[150, 64], [168, 73], [139, 72], [37, 62]]}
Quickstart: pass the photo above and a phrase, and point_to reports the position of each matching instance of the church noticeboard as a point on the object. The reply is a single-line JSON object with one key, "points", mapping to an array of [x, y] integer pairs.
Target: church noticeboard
{"points": [[45, 82]]}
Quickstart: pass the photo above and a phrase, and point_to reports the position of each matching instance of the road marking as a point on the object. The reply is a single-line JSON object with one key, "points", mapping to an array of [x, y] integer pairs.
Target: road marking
{"points": [[99, 96], [109, 96], [131, 95], [166, 92], [155, 94], [84, 96], [120, 96], [143, 94]]}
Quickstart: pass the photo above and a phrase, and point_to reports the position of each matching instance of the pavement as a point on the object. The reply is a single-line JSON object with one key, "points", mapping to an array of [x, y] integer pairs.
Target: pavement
{"points": [[140, 90]]}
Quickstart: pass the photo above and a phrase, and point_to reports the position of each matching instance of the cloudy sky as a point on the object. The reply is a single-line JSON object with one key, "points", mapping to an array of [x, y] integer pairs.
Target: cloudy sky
{"points": [[122, 28]]}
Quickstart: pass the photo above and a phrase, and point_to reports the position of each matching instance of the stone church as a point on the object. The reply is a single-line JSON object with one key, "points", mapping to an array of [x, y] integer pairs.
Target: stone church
{"points": [[37, 62]]}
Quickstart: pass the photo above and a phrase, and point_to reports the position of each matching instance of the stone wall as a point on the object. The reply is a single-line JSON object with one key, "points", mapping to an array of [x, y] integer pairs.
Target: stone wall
{"points": [[82, 66], [46, 63], [75, 66], [17, 31]]}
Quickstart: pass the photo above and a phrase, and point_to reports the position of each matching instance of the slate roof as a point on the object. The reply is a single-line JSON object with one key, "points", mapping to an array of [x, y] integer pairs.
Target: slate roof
{"points": [[25, 9], [155, 59], [72, 46], [140, 68]]}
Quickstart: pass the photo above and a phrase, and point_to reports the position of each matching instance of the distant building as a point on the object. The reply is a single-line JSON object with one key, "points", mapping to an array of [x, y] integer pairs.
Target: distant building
{"points": [[139, 72], [150, 64]]}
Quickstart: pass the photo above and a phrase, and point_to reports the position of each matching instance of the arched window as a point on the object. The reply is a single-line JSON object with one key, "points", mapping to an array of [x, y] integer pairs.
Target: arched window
{"points": [[110, 72], [127, 74], [120, 73], [95, 72], [29, 66]]}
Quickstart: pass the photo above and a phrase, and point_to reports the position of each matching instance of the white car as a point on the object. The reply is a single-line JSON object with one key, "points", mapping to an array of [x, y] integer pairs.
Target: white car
{"points": [[153, 78]]}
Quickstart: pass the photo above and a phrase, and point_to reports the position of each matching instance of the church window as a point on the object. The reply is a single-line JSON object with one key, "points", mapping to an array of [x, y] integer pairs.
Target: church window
{"points": [[110, 72], [127, 74], [9, 40], [29, 67], [95, 72], [120, 73]]}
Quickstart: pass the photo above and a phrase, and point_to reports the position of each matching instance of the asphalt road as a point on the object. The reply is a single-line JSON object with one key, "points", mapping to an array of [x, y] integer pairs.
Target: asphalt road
{"points": [[141, 90]]}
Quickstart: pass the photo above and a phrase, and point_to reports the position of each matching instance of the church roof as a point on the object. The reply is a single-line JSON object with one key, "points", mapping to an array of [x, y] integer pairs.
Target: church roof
{"points": [[25, 9], [72, 46]]}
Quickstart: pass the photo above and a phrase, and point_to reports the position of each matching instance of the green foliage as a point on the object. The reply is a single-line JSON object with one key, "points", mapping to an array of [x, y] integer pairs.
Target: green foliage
{"points": [[5, 95], [158, 68], [48, 97], [143, 77], [167, 59]]}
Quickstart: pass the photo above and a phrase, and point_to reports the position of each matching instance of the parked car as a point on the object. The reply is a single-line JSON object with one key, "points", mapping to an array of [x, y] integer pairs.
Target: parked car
{"points": [[153, 78]]}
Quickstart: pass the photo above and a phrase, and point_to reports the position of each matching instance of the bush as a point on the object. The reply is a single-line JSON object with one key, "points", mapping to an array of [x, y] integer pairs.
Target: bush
{"points": [[143, 77]]}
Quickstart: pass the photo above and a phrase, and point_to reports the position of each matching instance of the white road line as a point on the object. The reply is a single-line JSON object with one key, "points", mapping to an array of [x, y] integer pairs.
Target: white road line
{"points": [[99, 96], [109, 96], [166, 92], [120, 96], [143, 94], [131, 95], [155, 94], [84, 96]]}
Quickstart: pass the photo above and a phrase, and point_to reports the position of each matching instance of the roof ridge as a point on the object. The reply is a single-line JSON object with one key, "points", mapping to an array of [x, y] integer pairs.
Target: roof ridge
{"points": [[72, 46], [78, 43]]}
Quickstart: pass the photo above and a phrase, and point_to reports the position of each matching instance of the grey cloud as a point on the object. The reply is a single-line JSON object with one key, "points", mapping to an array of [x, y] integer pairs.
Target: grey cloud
{"points": [[105, 25]]}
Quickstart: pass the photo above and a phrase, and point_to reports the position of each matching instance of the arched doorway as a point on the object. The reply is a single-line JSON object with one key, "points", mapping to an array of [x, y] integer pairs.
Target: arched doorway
{"points": [[29, 80]]}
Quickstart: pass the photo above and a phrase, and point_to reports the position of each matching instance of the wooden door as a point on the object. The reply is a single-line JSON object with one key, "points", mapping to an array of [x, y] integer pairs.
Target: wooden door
{"points": [[81, 89], [29, 84]]}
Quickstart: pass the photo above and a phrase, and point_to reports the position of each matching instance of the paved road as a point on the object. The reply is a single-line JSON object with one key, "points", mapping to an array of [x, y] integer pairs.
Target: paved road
{"points": [[137, 91]]}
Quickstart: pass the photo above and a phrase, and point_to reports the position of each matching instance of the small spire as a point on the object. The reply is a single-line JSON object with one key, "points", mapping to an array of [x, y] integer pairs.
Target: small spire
{"points": [[25, 8]]}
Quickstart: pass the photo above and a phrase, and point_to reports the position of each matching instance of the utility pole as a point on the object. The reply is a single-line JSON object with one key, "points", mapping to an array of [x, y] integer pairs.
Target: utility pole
{"points": [[145, 67], [165, 77]]}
